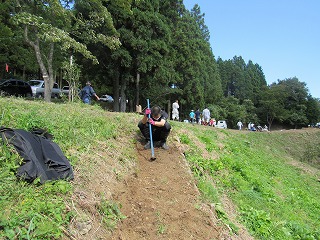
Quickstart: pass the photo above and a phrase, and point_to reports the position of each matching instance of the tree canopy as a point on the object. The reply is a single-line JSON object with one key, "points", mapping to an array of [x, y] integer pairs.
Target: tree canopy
{"points": [[138, 49]]}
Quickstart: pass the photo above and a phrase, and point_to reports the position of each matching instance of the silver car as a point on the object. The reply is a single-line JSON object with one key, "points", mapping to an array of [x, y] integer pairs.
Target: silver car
{"points": [[37, 87], [106, 98]]}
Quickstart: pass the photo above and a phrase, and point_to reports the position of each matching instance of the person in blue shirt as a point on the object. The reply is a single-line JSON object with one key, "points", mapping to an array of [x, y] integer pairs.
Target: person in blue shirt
{"points": [[87, 92], [198, 113], [191, 116]]}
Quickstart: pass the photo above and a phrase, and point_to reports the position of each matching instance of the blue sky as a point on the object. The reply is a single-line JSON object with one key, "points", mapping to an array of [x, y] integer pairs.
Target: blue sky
{"points": [[282, 36]]}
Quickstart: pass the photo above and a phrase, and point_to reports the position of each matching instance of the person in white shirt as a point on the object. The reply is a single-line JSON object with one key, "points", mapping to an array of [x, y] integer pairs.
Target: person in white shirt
{"points": [[240, 125], [175, 111], [206, 116]]}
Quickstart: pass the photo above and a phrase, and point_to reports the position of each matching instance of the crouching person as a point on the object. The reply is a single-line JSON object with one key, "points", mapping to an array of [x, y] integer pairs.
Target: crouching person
{"points": [[159, 126]]}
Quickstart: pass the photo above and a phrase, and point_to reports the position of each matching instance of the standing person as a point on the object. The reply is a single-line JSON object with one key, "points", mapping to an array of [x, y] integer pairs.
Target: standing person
{"points": [[87, 92], [175, 111], [206, 116], [160, 127], [240, 125], [191, 116], [198, 113]]}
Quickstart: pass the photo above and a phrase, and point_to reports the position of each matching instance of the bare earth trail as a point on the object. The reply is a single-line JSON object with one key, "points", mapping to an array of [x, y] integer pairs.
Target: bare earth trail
{"points": [[161, 201]]}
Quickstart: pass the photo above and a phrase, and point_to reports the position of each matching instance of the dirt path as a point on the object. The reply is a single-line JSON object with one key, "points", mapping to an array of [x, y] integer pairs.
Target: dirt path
{"points": [[162, 202]]}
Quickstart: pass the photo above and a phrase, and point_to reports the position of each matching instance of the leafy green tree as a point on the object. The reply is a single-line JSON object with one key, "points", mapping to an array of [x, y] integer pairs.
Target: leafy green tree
{"points": [[295, 96], [313, 110], [13, 50], [72, 75], [94, 18], [286, 102], [241, 80], [270, 106], [250, 114], [139, 66], [6, 36], [196, 66], [232, 111], [256, 81], [200, 20], [46, 26], [226, 72], [242, 87]]}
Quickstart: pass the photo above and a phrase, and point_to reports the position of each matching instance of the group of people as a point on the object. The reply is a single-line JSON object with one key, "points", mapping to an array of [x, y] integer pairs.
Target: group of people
{"points": [[202, 118], [161, 128], [252, 127], [197, 116], [157, 119]]}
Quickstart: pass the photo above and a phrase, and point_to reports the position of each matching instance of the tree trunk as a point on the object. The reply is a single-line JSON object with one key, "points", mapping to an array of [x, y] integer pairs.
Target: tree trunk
{"points": [[46, 77], [49, 85], [269, 121], [116, 93], [45, 74], [137, 89], [123, 97]]}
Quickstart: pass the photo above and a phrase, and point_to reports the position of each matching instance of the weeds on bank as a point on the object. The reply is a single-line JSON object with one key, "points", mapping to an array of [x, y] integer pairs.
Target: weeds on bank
{"points": [[34, 211], [110, 212], [311, 154], [202, 168], [275, 200]]}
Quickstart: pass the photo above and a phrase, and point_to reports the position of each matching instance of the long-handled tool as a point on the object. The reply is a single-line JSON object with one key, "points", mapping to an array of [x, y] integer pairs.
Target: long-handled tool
{"points": [[150, 132]]}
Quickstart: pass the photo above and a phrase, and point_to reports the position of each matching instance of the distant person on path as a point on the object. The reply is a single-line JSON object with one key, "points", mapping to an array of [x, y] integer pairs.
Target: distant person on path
{"points": [[198, 113], [240, 125], [206, 116], [160, 127], [87, 92], [192, 117], [175, 111]]}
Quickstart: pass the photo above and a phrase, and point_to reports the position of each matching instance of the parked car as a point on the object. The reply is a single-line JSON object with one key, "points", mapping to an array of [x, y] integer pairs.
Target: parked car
{"points": [[65, 90], [37, 87], [106, 98], [221, 124], [15, 87]]}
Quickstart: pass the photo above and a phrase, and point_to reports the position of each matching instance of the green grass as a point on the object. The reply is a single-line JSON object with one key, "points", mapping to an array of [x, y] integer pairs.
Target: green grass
{"points": [[275, 199], [34, 211]]}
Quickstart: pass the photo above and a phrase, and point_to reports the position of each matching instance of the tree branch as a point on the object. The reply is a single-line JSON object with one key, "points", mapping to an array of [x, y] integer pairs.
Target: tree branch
{"points": [[26, 37]]}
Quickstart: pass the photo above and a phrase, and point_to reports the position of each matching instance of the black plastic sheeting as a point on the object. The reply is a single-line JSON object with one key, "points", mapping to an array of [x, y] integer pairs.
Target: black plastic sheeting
{"points": [[42, 158]]}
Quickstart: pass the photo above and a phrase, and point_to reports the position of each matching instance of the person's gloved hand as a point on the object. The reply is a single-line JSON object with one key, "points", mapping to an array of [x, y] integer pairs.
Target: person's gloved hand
{"points": [[148, 111], [151, 121]]}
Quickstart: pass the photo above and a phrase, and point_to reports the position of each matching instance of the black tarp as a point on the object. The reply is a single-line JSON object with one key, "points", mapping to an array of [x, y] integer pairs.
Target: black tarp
{"points": [[41, 156]]}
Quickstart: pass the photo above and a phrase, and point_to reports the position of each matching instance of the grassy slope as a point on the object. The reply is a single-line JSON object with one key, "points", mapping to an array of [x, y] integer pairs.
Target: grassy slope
{"points": [[277, 197]]}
